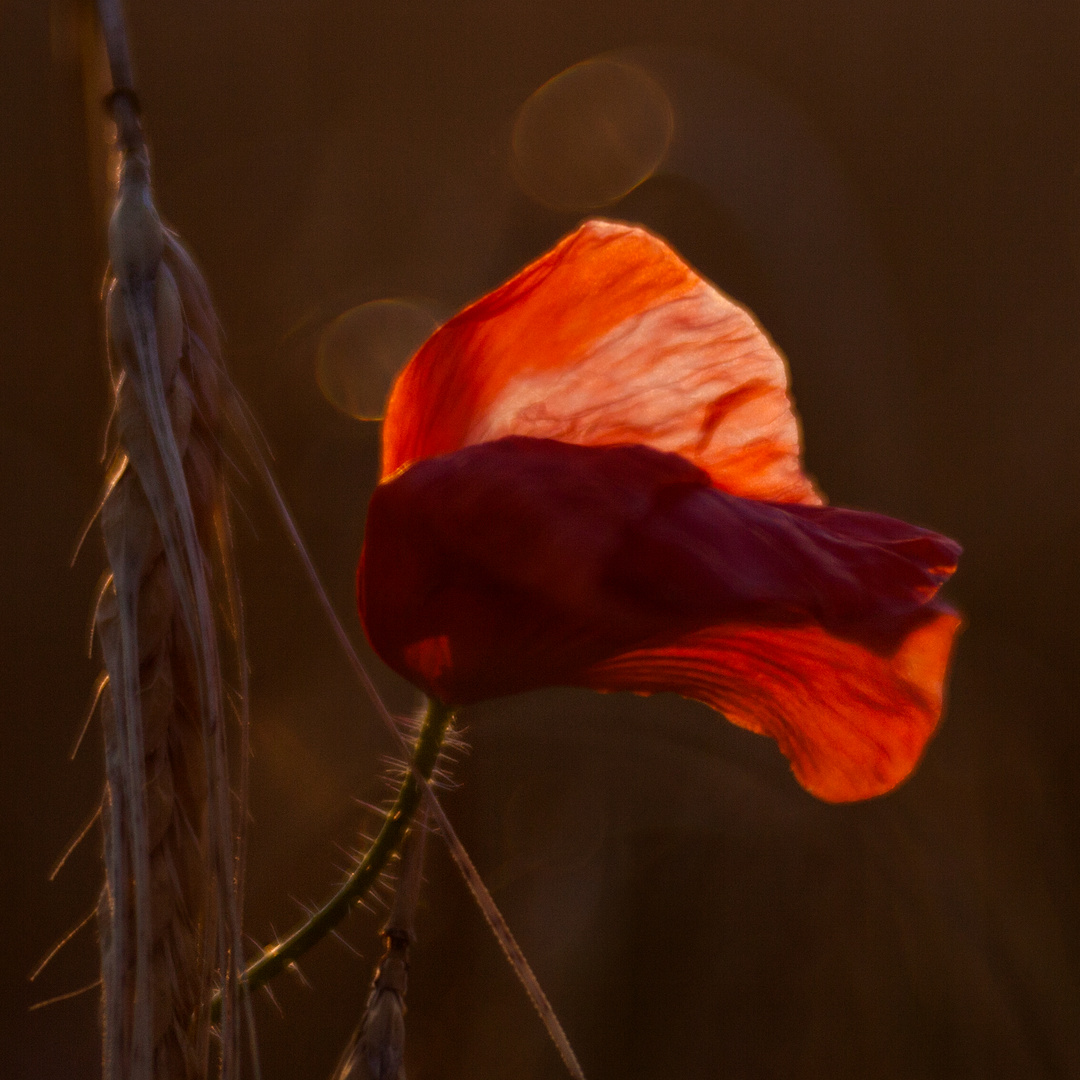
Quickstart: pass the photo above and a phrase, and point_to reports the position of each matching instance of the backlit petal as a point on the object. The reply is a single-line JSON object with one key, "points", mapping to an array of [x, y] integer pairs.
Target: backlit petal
{"points": [[609, 338], [853, 723], [524, 563]]}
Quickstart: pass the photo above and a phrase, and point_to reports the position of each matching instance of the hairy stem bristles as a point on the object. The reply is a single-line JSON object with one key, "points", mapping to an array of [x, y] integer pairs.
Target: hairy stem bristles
{"points": [[370, 868]]}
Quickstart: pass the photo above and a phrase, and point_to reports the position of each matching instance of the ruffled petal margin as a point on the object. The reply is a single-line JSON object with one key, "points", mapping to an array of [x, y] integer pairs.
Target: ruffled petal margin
{"points": [[608, 338]]}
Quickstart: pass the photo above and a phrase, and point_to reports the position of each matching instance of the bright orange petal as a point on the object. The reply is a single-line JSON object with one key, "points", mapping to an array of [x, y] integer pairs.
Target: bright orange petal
{"points": [[609, 338], [852, 722]]}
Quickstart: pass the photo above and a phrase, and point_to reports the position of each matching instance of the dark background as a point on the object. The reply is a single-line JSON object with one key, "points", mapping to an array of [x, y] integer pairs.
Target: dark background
{"points": [[895, 189]]}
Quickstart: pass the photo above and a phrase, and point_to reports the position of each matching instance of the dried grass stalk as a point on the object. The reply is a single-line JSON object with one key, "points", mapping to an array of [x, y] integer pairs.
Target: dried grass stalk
{"points": [[169, 914]]}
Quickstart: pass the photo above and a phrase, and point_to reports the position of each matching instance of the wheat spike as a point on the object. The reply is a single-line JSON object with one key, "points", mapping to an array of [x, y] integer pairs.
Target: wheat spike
{"points": [[169, 913], [376, 1050]]}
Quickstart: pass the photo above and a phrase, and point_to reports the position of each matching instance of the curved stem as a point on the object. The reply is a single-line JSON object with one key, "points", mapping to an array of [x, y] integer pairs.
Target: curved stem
{"points": [[248, 436], [395, 825]]}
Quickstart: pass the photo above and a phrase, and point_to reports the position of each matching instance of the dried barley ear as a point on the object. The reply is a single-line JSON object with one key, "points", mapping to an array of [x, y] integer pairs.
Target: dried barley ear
{"points": [[169, 914], [376, 1050]]}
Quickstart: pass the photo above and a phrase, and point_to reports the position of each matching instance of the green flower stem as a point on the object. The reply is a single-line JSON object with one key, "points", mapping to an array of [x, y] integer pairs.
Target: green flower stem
{"points": [[395, 825]]}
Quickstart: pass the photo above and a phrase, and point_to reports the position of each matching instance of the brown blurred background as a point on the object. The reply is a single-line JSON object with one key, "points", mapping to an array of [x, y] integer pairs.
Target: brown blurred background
{"points": [[895, 189]]}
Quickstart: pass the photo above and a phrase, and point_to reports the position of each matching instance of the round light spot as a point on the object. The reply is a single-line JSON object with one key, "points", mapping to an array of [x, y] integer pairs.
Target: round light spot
{"points": [[591, 134], [361, 352]]}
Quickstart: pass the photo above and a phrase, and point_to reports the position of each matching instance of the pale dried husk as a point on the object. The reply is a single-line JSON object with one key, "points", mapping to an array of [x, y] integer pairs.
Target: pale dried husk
{"points": [[170, 910]]}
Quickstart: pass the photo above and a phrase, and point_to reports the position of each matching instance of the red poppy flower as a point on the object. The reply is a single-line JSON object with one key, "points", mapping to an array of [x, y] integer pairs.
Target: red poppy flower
{"points": [[591, 477]]}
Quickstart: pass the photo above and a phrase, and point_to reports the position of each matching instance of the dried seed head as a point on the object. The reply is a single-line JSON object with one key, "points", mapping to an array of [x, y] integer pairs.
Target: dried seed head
{"points": [[168, 327], [172, 869], [381, 1049], [171, 910], [136, 235], [377, 1048], [393, 973]]}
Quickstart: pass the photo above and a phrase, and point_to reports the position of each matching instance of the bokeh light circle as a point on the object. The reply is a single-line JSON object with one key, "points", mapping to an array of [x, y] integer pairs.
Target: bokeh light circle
{"points": [[361, 352], [591, 134]]}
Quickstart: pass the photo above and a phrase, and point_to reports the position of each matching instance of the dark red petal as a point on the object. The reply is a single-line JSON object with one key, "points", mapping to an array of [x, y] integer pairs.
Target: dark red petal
{"points": [[608, 338], [524, 563]]}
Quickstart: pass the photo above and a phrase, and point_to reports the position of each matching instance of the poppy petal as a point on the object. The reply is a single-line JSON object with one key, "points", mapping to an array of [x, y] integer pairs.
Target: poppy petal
{"points": [[527, 562], [852, 723], [609, 338]]}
